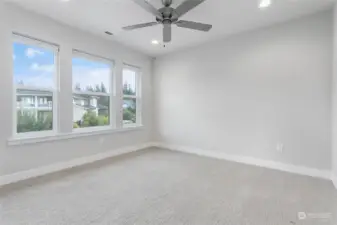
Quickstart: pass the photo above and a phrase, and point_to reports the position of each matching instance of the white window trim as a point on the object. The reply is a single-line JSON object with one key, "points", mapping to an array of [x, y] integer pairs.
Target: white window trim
{"points": [[24, 39], [116, 126], [18, 38], [93, 57], [91, 93], [110, 94], [137, 96], [66, 136]]}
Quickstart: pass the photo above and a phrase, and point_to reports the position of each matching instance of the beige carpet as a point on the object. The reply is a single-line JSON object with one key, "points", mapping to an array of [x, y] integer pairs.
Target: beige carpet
{"points": [[162, 187]]}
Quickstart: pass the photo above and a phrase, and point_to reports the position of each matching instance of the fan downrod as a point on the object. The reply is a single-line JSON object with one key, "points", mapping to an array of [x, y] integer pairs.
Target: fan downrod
{"points": [[166, 3]]}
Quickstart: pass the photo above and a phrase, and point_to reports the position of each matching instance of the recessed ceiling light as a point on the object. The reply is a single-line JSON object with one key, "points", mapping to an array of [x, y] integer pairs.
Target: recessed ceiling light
{"points": [[155, 42], [264, 4], [65, 0]]}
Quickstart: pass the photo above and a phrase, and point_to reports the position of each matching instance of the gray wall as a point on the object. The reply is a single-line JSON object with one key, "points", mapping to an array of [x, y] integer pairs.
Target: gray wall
{"points": [[19, 158], [241, 95], [244, 94], [334, 102]]}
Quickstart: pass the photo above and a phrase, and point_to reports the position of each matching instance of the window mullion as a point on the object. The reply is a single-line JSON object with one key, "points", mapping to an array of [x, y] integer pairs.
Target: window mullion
{"points": [[55, 97], [55, 110], [129, 96], [139, 98], [15, 110], [139, 111], [119, 95], [92, 93], [112, 112]]}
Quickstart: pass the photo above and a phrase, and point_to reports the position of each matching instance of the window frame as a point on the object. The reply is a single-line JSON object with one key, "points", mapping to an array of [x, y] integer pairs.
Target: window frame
{"points": [[112, 96], [30, 41], [137, 96]]}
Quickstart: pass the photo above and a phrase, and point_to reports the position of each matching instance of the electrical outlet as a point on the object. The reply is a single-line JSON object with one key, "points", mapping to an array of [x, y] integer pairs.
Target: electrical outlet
{"points": [[279, 147]]}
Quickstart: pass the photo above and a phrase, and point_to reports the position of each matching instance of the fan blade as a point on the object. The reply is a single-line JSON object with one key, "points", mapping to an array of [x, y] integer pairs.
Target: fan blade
{"points": [[193, 25], [167, 33], [142, 25], [148, 7], [187, 6]]}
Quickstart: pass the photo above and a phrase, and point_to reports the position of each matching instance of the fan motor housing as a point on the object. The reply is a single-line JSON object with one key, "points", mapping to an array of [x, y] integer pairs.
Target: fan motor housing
{"points": [[168, 15]]}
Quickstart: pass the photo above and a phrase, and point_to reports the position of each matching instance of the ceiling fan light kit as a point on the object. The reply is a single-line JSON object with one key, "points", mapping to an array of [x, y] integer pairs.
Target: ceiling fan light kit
{"points": [[168, 16]]}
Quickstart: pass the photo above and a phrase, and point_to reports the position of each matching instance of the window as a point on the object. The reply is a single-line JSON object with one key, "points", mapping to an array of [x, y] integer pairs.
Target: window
{"points": [[131, 96], [92, 78], [35, 77]]}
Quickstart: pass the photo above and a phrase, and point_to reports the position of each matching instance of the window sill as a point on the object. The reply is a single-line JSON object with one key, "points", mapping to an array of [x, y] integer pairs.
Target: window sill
{"points": [[76, 134]]}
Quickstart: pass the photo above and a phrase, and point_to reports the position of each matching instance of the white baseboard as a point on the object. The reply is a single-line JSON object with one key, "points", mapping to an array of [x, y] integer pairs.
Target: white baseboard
{"points": [[313, 172], [28, 174]]}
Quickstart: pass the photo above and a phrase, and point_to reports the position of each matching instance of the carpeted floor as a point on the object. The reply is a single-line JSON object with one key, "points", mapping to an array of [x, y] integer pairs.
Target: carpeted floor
{"points": [[158, 187]]}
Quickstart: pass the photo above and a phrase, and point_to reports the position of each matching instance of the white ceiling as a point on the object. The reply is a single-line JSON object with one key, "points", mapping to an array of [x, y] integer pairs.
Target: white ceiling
{"points": [[227, 17]]}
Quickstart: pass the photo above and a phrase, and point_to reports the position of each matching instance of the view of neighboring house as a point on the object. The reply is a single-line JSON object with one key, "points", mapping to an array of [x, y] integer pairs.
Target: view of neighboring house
{"points": [[83, 103], [36, 102], [129, 103], [40, 104]]}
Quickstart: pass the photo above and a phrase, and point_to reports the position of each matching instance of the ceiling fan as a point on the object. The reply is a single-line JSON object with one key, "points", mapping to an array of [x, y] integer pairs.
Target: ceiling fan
{"points": [[168, 16]]}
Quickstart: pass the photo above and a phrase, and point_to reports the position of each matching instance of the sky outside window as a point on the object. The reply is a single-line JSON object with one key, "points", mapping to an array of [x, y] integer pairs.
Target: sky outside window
{"points": [[88, 74], [129, 80], [33, 66]]}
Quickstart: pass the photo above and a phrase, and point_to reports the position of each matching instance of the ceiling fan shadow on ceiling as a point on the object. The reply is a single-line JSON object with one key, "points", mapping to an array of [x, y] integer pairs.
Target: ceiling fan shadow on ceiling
{"points": [[168, 16]]}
